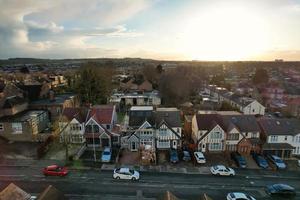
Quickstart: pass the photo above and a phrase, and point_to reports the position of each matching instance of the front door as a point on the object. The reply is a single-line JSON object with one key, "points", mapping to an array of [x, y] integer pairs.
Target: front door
{"points": [[203, 147], [133, 146], [105, 142], [174, 144]]}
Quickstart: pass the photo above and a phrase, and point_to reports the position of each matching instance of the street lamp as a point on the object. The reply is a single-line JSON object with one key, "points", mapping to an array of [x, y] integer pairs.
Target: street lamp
{"points": [[94, 143]]}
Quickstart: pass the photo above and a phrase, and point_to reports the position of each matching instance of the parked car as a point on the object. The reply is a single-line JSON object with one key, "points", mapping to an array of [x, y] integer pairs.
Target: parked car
{"points": [[186, 156], [126, 173], [277, 161], [299, 163], [282, 190], [174, 156], [199, 157], [239, 159], [106, 154], [260, 160], [239, 196], [221, 170], [55, 170]]}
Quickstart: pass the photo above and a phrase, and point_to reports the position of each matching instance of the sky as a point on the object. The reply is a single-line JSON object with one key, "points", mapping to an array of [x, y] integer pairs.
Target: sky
{"points": [[158, 29]]}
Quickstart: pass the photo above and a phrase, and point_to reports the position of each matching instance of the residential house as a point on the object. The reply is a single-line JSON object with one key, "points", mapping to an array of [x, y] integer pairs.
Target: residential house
{"points": [[55, 104], [136, 99], [140, 128], [281, 136], [132, 85], [100, 125], [161, 128], [168, 128], [72, 125], [245, 105], [12, 100], [220, 131], [207, 133], [24, 126]]}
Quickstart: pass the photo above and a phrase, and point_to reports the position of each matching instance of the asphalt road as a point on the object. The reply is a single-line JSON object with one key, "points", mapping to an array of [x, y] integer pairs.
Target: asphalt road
{"points": [[96, 184]]}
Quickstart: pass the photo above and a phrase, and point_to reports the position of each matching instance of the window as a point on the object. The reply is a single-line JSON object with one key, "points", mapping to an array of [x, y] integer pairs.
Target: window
{"points": [[274, 138], [1, 127], [216, 135], [17, 128], [108, 126], [115, 138], [285, 138], [163, 144], [75, 127], [163, 131], [215, 146], [233, 136], [254, 135], [177, 130]]}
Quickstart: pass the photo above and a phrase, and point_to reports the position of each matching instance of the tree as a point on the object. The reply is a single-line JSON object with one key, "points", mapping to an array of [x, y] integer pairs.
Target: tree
{"points": [[225, 106], [260, 76], [94, 84]]}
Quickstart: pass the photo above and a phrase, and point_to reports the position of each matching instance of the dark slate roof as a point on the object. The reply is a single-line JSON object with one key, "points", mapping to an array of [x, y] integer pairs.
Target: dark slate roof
{"points": [[272, 126], [12, 101], [277, 146], [32, 92], [137, 118], [172, 118], [207, 121], [244, 123]]}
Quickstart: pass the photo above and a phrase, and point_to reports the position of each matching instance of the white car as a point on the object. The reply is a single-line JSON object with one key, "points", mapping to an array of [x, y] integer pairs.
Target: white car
{"points": [[126, 173], [199, 157], [221, 170], [239, 196]]}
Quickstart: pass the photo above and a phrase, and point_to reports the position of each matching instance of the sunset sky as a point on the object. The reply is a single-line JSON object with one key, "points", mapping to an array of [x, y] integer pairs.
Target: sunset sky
{"points": [[158, 29]]}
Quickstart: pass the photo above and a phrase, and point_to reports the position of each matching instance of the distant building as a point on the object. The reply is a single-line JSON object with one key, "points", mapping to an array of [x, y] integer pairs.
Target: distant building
{"points": [[24, 126]]}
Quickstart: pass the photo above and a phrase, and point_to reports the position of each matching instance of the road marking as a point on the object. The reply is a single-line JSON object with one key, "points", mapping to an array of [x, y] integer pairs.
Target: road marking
{"points": [[12, 175]]}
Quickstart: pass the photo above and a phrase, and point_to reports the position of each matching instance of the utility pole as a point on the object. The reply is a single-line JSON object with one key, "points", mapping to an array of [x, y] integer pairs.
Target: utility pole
{"points": [[95, 159]]}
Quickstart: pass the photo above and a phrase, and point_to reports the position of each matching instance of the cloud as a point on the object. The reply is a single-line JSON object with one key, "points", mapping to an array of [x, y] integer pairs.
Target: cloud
{"points": [[35, 28]]}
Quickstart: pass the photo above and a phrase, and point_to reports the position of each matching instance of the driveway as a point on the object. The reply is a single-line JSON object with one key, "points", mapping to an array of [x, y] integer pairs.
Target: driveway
{"points": [[127, 157], [251, 164]]}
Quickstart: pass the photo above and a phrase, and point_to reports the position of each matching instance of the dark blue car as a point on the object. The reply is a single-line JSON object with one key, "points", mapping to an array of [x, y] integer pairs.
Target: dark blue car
{"points": [[282, 190], [239, 159], [174, 156], [260, 160]]}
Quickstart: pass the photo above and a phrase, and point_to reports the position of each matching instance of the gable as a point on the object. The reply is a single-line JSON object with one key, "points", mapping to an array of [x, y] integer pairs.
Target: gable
{"points": [[94, 122], [145, 125], [74, 121]]}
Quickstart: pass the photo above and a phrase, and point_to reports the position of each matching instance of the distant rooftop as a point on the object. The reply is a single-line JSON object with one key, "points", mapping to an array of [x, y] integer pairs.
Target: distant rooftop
{"points": [[141, 108], [218, 112], [167, 109], [58, 99], [23, 116]]}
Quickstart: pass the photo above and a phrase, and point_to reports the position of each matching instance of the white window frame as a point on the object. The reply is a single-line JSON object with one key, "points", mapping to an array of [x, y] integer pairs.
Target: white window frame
{"points": [[17, 128]]}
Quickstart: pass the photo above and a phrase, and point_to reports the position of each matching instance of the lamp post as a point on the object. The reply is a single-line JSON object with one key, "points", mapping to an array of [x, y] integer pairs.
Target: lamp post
{"points": [[94, 143]]}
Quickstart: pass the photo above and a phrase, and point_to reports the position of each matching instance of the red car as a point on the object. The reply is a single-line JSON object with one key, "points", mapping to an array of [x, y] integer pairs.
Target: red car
{"points": [[55, 170]]}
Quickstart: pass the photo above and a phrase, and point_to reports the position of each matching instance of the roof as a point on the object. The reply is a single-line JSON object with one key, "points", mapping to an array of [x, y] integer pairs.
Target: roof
{"points": [[169, 196], [244, 123], [272, 126], [207, 121], [277, 146], [59, 100], [12, 101], [51, 193], [137, 118], [219, 112], [13, 192], [78, 113], [26, 115], [171, 117], [141, 108], [103, 114]]}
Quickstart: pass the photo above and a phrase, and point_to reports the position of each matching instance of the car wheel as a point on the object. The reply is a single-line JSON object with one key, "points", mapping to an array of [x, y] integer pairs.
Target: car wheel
{"points": [[218, 174], [231, 174], [133, 178], [118, 177]]}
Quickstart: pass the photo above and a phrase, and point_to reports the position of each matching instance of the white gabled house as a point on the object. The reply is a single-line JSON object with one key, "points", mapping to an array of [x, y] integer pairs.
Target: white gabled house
{"points": [[281, 136], [72, 124], [161, 129], [207, 134]]}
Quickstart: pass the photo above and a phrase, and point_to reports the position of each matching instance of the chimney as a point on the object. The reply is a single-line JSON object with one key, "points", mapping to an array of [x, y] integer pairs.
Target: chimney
{"points": [[51, 96]]}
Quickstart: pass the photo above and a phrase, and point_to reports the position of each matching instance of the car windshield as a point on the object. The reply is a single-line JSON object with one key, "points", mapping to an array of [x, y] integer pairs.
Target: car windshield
{"points": [[278, 160], [131, 171], [106, 153]]}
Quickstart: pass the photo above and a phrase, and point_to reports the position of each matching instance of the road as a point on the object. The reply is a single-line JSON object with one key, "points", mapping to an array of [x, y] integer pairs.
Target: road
{"points": [[96, 184]]}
